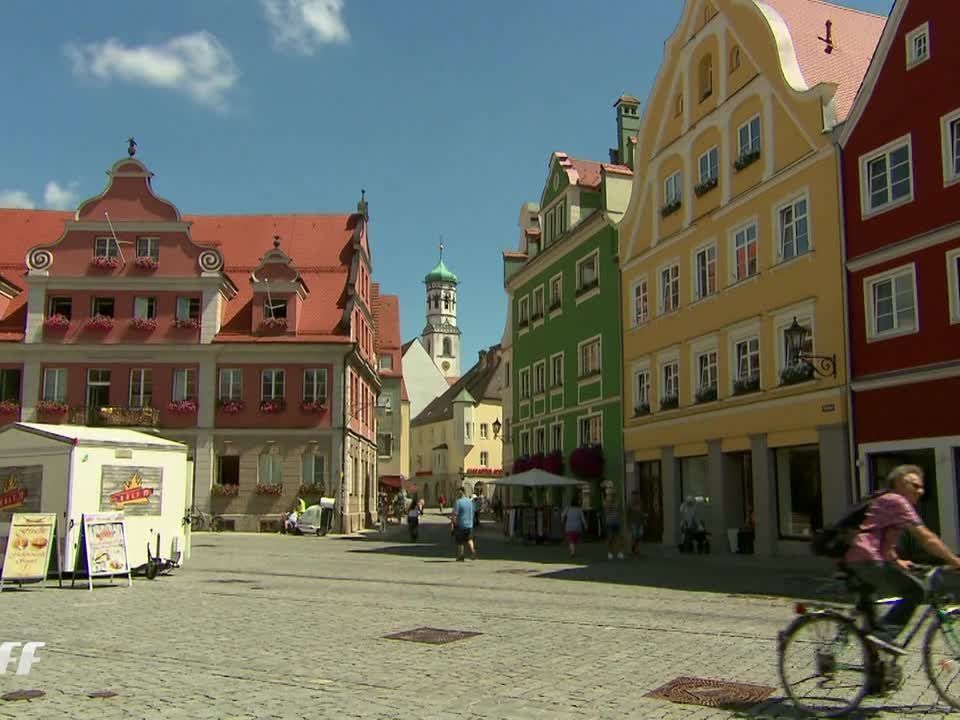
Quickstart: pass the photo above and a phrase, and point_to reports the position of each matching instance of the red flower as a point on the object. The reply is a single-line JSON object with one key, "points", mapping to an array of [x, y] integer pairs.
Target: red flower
{"points": [[187, 323], [51, 407], [313, 406], [269, 489], [100, 322], [587, 461], [9, 407], [182, 407], [143, 323], [269, 407], [232, 407], [57, 322], [553, 463], [102, 262], [274, 324], [146, 263], [225, 490]]}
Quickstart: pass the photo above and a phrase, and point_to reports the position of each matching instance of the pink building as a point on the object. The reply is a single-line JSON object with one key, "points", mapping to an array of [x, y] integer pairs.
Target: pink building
{"points": [[248, 337]]}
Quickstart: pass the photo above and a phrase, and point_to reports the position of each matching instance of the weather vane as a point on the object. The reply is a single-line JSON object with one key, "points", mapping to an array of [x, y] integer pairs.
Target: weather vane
{"points": [[441, 248], [132, 149]]}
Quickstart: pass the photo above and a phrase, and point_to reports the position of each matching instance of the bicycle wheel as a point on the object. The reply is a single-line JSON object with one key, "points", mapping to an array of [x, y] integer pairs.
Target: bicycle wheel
{"points": [[824, 664], [941, 656], [216, 524], [198, 523]]}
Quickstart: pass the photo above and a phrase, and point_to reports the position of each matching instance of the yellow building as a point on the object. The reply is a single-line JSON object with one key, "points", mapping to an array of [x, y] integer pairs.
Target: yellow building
{"points": [[732, 233], [453, 440]]}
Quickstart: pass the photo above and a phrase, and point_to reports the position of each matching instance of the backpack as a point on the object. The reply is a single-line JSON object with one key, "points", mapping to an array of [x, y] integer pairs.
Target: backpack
{"points": [[834, 541]]}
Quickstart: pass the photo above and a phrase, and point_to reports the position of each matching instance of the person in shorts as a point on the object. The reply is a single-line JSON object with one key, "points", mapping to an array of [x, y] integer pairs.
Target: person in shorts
{"points": [[461, 520], [574, 525], [611, 525]]}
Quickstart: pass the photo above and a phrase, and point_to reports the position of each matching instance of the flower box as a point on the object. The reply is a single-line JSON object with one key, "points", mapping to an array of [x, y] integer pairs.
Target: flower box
{"points": [[146, 263], [232, 407], [705, 187], [746, 159], [641, 409], [312, 489], [231, 490], [99, 322], [186, 324], [275, 490], [270, 407], [57, 322], [313, 406], [274, 324], [669, 402], [105, 263], [182, 407], [707, 394], [742, 386], [143, 323], [9, 407], [51, 407], [801, 372], [553, 462], [670, 208], [587, 461]]}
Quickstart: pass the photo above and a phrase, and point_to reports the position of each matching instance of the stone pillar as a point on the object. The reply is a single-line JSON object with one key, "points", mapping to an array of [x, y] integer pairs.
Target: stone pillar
{"points": [[670, 487], [835, 490], [30, 388], [764, 496], [36, 300], [717, 522], [204, 469], [209, 315], [207, 393]]}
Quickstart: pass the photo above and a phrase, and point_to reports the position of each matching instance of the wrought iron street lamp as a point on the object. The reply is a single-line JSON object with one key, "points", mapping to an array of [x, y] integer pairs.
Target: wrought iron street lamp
{"points": [[822, 365], [497, 427]]}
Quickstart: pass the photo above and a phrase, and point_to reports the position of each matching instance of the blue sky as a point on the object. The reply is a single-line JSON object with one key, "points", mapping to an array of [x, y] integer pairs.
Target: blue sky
{"points": [[446, 112]]}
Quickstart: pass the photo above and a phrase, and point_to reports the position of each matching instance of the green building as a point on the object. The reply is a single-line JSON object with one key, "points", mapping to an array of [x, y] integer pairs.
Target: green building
{"points": [[564, 318]]}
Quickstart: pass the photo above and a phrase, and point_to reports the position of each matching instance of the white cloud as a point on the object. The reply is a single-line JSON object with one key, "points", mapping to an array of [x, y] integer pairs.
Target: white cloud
{"points": [[16, 199], [196, 63], [303, 25], [60, 198]]}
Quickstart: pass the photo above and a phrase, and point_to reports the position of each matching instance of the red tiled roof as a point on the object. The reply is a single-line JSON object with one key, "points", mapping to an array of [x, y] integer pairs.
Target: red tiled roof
{"points": [[854, 33], [617, 169], [588, 172], [404, 397]]}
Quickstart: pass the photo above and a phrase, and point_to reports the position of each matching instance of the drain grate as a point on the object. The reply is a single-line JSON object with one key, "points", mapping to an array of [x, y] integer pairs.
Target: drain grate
{"points": [[23, 695], [432, 636], [101, 694], [710, 693]]}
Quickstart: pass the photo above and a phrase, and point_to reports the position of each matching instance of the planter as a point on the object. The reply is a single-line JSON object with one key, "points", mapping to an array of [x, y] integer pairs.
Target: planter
{"points": [[147, 324], [219, 490], [273, 324], [669, 402], [99, 322], [670, 208], [553, 463], [49, 407], [274, 490], [146, 263], [742, 386], [587, 461], [312, 489], [232, 407], [707, 394], [186, 324], [641, 410], [271, 407], [311, 406], [746, 159], [801, 372], [705, 187], [57, 322], [182, 407], [105, 263], [9, 407]]}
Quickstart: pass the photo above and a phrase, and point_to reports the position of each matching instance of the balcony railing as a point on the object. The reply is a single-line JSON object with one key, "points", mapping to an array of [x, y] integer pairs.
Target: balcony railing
{"points": [[115, 416]]}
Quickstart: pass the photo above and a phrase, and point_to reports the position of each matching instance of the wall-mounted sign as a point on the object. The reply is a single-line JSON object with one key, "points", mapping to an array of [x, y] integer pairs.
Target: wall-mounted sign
{"points": [[133, 490], [20, 487]]}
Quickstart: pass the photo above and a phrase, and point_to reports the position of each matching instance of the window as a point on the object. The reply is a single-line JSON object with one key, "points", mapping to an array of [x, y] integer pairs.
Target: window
{"points": [[468, 431], [539, 377], [538, 303], [148, 247], [540, 440], [669, 289], [556, 370], [556, 292], [314, 469], [706, 77], [105, 247], [141, 388], [271, 385], [231, 384], [484, 458], [270, 469], [102, 306], [950, 130], [734, 58], [10, 385], [892, 307], [886, 178], [556, 437], [385, 362], [709, 166], [523, 311], [555, 222], [184, 384], [591, 430], [794, 233], [188, 308], [447, 345], [953, 283], [60, 306], [747, 355], [384, 445], [671, 380], [55, 385], [641, 311], [524, 443], [590, 357], [745, 252], [641, 389], [315, 386], [275, 309], [748, 137], [799, 505], [678, 105], [918, 45], [525, 383], [506, 374], [672, 190], [385, 404], [145, 307], [587, 273], [707, 370], [484, 431], [705, 272]]}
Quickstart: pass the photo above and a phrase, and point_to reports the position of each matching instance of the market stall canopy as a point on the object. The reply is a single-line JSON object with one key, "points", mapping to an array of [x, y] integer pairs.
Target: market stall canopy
{"points": [[538, 478]]}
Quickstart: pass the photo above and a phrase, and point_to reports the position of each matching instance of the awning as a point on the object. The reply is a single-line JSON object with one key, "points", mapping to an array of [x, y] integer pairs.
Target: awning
{"points": [[391, 481], [538, 478]]}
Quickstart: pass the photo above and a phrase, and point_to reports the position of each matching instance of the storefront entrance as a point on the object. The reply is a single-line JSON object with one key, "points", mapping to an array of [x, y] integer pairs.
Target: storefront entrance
{"points": [[651, 493]]}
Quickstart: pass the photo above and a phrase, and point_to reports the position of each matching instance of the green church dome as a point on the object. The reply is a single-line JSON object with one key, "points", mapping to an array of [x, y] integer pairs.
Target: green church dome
{"points": [[441, 273]]}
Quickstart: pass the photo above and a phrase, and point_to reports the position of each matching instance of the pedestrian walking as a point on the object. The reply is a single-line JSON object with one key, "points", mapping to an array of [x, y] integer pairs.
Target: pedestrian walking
{"points": [[413, 518], [611, 521], [384, 510], [461, 522], [574, 525], [442, 502]]}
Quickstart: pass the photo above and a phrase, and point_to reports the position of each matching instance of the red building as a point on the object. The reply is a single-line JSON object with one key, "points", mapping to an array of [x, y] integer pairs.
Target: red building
{"points": [[901, 189], [250, 338]]}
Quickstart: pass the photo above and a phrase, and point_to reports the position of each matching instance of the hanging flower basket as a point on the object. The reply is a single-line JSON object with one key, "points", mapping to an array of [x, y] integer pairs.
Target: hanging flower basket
{"points": [[521, 464], [186, 324], [553, 463], [105, 263], [219, 490], [275, 490], [144, 323], [57, 322], [587, 461], [271, 407], [793, 374], [100, 322], [669, 402], [313, 406], [274, 324], [312, 489], [232, 407], [51, 407], [146, 263], [182, 407], [9, 407], [536, 461]]}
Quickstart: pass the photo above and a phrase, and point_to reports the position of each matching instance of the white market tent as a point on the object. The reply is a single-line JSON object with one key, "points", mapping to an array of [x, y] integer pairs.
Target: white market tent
{"points": [[538, 478]]}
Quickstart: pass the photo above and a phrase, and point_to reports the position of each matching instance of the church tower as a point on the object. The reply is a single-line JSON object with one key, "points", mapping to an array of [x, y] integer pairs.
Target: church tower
{"points": [[441, 336]]}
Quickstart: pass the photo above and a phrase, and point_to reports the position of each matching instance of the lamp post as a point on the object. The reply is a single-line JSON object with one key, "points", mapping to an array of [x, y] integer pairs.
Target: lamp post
{"points": [[497, 427], [822, 365]]}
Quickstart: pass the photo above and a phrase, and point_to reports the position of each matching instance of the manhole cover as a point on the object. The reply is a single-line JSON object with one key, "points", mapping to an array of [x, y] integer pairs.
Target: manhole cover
{"points": [[101, 694], [23, 695], [710, 693], [432, 636], [516, 571]]}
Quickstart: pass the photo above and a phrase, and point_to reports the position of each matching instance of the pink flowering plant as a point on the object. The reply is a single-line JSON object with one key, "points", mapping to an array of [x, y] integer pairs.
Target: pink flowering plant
{"points": [[187, 323], [100, 322], [57, 321], [139, 323], [314, 406], [274, 323], [232, 407], [182, 407], [9, 407], [146, 263], [51, 407], [268, 489], [230, 490], [102, 262], [270, 407]]}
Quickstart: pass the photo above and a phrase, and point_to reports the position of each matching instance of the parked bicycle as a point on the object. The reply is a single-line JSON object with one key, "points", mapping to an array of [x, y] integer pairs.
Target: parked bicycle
{"points": [[200, 521], [828, 664]]}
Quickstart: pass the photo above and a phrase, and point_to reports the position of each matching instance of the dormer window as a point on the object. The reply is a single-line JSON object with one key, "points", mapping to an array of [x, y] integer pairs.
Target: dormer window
{"points": [[275, 309], [105, 247], [918, 45], [148, 248]]}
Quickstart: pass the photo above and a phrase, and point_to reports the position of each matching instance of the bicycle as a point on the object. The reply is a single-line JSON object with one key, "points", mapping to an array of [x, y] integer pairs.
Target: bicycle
{"points": [[836, 629], [200, 521]]}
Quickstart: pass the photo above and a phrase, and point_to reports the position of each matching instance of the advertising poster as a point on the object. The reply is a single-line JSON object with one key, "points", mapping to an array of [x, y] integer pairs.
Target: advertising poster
{"points": [[132, 490], [20, 490], [106, 544], [31, 540]]}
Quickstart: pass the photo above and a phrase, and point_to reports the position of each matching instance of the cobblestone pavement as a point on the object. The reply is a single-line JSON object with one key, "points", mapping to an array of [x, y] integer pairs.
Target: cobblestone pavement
{"points": [[261, 626]]}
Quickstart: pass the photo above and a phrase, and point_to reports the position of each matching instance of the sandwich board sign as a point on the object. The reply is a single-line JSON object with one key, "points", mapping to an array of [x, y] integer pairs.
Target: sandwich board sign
{"points": [[30, 546], [102, 548]]}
